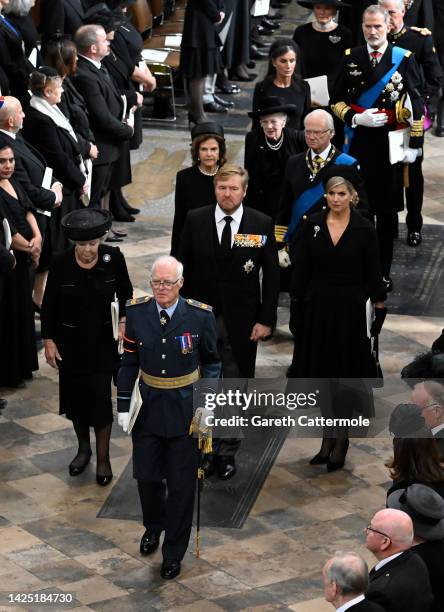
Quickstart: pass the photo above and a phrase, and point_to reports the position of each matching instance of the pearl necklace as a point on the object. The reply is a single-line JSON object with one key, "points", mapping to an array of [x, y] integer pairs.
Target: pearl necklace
{"points": [[278, 145], [325, 27], [209, 173]]}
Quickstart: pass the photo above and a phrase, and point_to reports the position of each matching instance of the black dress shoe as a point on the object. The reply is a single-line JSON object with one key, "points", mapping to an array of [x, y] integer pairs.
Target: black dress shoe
{"points": [[222, 102], [264, 31], [103, 481], [113, 239], [170, 569], [77, 468], [223, 85], [242, 77], [214, 107], [414, 239], [3, 403], [258, 54], [132, 210], [118, 233], [149, 543], [319, 459], [439, 131], [268, 23], [226, 467], [388, 283], [208, 466]]}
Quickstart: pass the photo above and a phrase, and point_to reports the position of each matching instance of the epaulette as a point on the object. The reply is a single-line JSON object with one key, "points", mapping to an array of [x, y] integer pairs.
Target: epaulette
{"points": [[141, 300], [347, 51], [200, 305]]}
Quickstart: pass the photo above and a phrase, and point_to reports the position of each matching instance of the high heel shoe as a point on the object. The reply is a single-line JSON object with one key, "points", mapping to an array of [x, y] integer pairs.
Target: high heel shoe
{"points": [[75, 470], [332, 465], [319, 459], [103, 481], [323, 456]]}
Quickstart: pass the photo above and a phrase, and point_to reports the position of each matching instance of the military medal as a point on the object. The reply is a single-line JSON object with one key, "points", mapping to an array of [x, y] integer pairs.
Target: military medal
{"points": [[248, 266], [186, 342], [255, 241]]}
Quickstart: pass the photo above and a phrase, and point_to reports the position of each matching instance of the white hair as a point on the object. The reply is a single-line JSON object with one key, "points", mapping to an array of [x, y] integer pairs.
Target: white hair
{"points": [[167, 259], [349, 571], [321, 113], [399, 4], [18, 7]]}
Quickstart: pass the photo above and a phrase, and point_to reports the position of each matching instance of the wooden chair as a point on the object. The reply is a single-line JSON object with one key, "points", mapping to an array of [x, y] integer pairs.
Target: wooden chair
{"points": [[157, 9], [142, 17]]}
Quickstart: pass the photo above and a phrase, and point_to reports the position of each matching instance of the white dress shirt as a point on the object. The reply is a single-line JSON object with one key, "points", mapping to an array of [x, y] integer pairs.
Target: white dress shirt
{"points": [[170, 310], [220, 215], [437, 428], [12, 134], [96, 64], [324, 154], [350, 603], [386, 560], [381, 50]]}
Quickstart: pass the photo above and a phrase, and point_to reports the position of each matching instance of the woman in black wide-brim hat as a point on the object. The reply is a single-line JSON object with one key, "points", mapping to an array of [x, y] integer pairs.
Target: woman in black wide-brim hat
{"points": [[195, 185], [322, 42], [283, 82], [267, 149], [78, 332]]}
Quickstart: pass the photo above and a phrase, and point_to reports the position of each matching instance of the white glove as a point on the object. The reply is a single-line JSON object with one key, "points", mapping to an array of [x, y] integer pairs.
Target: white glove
{"points": [[284, 258], [410, 155], [123, 420], [371, 118]]}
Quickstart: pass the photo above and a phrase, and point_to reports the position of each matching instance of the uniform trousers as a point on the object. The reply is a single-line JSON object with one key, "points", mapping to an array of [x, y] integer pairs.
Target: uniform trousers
{"points": [[414, 195], [167, 499], [386, 229]]}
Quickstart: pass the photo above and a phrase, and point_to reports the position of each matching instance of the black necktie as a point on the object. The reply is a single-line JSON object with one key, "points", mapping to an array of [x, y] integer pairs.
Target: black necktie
{"points": [[164, 318], [225, 241], [105, 72]]}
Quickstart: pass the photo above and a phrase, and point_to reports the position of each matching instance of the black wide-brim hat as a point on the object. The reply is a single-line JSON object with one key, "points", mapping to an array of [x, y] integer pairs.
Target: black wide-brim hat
{"points": [[209, 127], [273, 104], [86, 224], [424, 506], [347, 172], [310, 3]]}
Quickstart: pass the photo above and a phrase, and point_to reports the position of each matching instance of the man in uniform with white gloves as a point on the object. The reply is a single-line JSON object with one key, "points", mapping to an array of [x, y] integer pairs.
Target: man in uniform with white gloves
{"points": [[375, 85]]}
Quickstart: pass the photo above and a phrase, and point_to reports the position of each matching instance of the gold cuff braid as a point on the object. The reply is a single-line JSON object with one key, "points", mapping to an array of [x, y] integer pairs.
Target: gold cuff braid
{"points": [[340, 109]]}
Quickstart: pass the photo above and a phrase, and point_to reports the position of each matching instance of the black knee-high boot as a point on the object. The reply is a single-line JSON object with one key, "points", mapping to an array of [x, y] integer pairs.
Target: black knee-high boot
{"points": [[104, 473], [81, 460]]}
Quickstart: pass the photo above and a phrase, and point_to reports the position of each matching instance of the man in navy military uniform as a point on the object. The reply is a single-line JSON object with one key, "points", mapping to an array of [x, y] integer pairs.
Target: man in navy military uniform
{"points": [[369, 96], [419, 42], [173, 342]]}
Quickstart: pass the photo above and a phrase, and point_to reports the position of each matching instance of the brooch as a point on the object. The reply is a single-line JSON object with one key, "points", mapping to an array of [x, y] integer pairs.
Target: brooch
{"points": [[317, 229], [248, 266], [355, 73], [334, 39], [255, 241], [107, 257]]}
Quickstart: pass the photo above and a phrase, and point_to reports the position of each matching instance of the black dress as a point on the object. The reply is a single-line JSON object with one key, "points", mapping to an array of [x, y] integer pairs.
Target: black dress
{"points": [[200, 55], [329, 291], [321, 52], [266, 168], [193, 190], [17, 332], [76, 314], [298, 94]]}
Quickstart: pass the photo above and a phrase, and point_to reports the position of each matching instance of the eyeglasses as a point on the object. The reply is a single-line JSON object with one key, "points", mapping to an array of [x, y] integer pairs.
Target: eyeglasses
{"points": [[316, 133], [164, 283], [370, 528]]}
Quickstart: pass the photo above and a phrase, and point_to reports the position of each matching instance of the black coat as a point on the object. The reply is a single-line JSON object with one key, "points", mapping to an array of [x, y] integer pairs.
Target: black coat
{"points": [[64, 16], [226, 285], [29, 171], [200, 44], [401, 584], [298, 93], [105, 108], [420, 14], [266, 168], [329, 290], [366, 606], [59, 149], [73, 105], [14, 62], [432, 553], [193, 190], [76, 309], [25, 25]]}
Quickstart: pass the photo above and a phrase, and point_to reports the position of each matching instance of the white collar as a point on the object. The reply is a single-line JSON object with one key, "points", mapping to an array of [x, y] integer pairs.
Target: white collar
{"points": [[381, 49], [94, 62], [386, 560], [324, 154], [221, 214], [437, 428], [350, 603], [11, 134], [54, 113]]}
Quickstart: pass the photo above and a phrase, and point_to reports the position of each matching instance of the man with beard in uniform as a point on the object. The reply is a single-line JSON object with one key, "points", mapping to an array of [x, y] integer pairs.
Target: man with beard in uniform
{"points": [[369, 96], [420, 43]]}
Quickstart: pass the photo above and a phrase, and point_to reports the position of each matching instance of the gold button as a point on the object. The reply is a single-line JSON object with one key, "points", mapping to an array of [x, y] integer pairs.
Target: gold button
{"points": [[163, 371], [163, 356], [163, 340], [305, 217]]}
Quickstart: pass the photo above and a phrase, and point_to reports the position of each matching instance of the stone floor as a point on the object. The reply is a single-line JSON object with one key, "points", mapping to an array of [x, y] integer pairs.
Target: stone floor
{"points": [[50, 539]]}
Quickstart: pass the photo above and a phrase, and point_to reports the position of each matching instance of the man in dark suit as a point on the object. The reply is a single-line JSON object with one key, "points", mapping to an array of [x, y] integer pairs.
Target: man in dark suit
{"points": [[429, 396], [400, 580], [169, 340], [345, 582], [105, 108], [224, 270]]}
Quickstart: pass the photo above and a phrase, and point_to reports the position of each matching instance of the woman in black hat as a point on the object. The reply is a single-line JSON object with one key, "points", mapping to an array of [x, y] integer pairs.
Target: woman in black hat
{"points": [[267, 149], [336, 270], [322, 42], [78, 331], [17, 331], [195, 185], [283, 82]]}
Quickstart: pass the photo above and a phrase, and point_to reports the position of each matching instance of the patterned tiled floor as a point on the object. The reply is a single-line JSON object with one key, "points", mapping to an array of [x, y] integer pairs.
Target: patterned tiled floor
{"points": [[50, 539]]}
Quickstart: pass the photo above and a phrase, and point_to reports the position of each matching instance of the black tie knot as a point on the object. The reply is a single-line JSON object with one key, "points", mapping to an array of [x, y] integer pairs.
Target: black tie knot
{"points": [[228, 219]]}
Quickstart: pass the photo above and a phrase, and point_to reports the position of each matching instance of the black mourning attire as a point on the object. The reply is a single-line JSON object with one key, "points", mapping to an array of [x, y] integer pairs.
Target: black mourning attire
{"points": [[298, 94]]}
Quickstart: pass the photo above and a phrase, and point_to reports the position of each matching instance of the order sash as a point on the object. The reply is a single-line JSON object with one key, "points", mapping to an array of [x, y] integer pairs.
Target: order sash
{"points": [[310, 196], [369, 96]]}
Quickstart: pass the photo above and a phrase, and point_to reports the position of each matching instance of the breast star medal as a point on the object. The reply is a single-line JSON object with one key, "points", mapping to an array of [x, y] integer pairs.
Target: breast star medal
{"points": [[163, 321], [248, 266]]}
